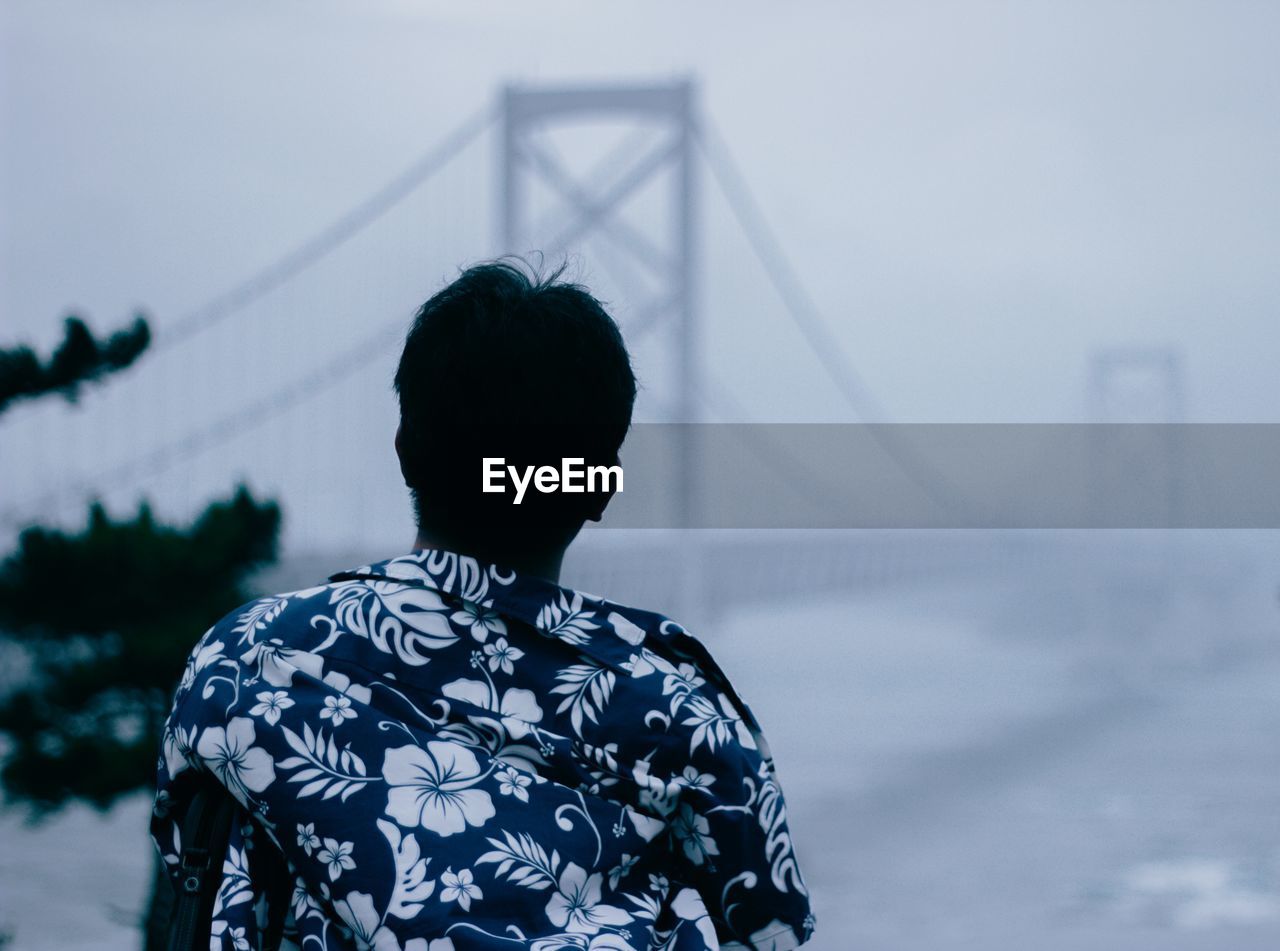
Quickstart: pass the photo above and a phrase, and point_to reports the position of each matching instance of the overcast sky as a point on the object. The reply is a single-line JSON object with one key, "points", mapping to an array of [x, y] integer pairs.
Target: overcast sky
{"points": [[977, 195]]}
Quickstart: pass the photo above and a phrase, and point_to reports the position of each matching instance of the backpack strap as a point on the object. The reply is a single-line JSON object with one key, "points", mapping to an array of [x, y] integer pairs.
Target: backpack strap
{"points": [[206, 830], [276, 880]]}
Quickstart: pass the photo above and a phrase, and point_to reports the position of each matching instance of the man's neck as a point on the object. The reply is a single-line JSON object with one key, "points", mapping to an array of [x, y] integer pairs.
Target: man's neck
{"points": [[545, 565]]}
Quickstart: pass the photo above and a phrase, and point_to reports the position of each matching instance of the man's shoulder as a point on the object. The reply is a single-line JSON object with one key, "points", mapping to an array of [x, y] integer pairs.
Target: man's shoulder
{"points": [[397, 615], [246, 622]]}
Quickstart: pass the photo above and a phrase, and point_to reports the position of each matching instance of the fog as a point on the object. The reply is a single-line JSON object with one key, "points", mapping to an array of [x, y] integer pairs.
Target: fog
{"points": [[988, 739]]}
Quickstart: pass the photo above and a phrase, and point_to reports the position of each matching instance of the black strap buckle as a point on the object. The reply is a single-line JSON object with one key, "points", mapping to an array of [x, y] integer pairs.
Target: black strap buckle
{"points": [[191, 870]]}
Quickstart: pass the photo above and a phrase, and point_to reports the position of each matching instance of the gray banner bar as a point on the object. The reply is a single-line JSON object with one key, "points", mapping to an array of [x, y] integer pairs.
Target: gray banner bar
{"points": [[950, 476]]}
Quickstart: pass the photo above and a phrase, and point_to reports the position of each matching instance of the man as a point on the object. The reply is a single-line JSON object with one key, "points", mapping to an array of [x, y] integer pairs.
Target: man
{"points": [[447, 749]]}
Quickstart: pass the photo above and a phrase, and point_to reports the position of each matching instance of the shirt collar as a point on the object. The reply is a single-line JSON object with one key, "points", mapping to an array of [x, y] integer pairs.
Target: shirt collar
{"points": [[610, 633]]}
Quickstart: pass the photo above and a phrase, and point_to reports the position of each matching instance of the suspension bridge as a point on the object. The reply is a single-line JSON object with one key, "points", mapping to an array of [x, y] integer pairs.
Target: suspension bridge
{"points": [[251, 359], [282, 380]]}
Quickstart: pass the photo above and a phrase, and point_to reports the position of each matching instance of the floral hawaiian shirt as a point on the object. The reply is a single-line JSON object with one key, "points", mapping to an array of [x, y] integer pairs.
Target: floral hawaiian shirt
{"points": [[442, 756]]}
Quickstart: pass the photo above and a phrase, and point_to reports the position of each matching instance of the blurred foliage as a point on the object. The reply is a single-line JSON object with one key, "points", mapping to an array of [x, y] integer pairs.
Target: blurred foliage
{"points": [[79, 359], [109, 616]]}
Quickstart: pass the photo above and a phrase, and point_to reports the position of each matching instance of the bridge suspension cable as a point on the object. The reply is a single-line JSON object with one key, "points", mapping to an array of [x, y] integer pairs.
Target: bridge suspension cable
{"points": [[809, 320], [329, 239], [798, 304], [251, 289], [222, 430]]}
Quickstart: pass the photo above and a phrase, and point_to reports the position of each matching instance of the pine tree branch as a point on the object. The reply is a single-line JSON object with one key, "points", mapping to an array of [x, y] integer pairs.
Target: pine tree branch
{"points": [[81, 358]]}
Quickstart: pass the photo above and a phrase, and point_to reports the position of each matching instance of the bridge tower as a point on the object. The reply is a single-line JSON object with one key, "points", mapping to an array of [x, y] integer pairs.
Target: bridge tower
{"points": [[582, 205], [636, 206], [591, 204]]}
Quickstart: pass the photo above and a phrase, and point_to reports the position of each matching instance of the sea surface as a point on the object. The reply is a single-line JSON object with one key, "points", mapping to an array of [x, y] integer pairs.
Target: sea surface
{"points": [[1051, 753]]}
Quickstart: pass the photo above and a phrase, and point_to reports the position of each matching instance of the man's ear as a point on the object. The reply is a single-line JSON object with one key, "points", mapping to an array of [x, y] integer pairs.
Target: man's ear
{"points": [[404, 471]]}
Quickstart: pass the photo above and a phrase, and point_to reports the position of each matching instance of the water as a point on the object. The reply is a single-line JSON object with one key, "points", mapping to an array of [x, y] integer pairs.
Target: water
{"points": [[1049, 752], [952, 788]]}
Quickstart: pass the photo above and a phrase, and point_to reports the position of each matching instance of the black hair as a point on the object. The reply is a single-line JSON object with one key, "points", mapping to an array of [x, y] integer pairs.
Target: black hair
{"points": [[507, 362]]}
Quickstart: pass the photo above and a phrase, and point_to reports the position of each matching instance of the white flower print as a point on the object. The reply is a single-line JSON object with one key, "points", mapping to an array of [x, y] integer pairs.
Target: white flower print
{"points": [[307, 838], [230, 753], [411, 887], [647, 827], [689, 906], [336, 855], [357, 911], [715, 727], [177, 745], [479, 619], [684, 679], [656, 794], [622, 869], [400, 619], [625, 629], [517, 708], [433, 787], [303, 902], [638, 665], [238, 940], [337, 709], [204, 655], [502, 656], [459, 887], [565, 619], [269, 705], [587, 688], [576, 905], [342, 683], [465, 576], [259, 617], [277, 663], [319, 712], [513, 782], [692, 779], [694, 831]]}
